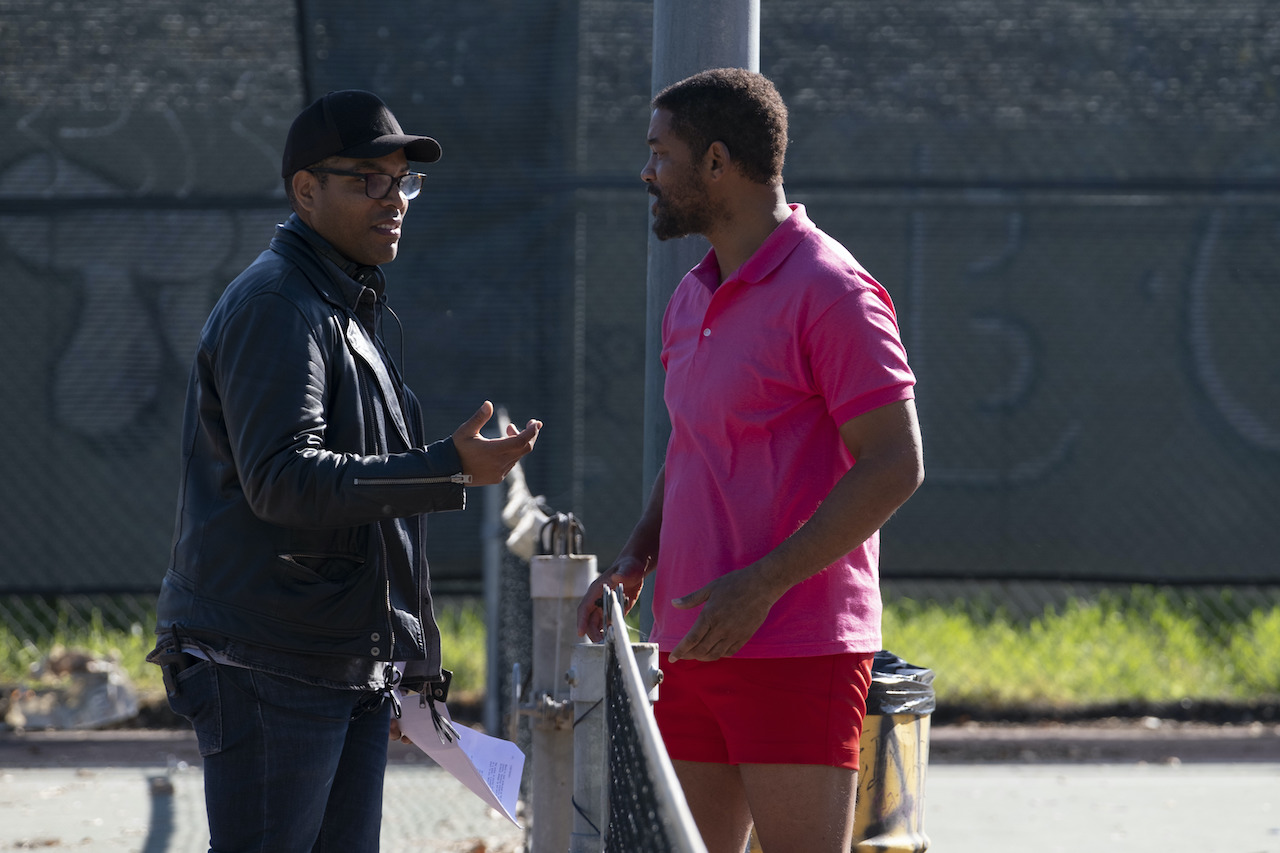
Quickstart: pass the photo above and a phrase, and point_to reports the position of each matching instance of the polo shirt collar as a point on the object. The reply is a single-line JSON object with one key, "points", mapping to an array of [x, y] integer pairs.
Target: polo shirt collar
{"points": [[772, 252]]}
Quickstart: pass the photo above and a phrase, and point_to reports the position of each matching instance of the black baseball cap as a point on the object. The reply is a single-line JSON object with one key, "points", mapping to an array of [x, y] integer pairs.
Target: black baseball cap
{"points": [[350, 123]]}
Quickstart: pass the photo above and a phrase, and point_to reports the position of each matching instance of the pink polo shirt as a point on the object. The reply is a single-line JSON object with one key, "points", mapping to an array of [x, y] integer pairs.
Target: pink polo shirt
{"points": [[761, 373]]}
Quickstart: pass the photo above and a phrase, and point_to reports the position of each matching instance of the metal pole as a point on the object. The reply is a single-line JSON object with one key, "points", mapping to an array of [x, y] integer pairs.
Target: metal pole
{"points": [[556, 584], [693, 35], [688, 36], [491, 546]]}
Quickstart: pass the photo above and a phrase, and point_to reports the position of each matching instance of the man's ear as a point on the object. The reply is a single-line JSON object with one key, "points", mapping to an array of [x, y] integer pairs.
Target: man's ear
{"points": [[305, 186], [717, 159]]}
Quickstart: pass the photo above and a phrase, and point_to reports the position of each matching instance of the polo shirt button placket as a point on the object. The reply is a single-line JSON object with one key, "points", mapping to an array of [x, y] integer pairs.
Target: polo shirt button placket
{"points": [[706, 333]]}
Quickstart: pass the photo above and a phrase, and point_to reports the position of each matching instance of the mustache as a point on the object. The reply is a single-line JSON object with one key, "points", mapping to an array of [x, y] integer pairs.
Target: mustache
{"points": [[654, 191]]}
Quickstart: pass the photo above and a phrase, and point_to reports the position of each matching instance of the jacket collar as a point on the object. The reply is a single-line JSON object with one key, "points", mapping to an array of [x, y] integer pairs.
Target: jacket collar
{"points": [[296, 240], [357, 282]]}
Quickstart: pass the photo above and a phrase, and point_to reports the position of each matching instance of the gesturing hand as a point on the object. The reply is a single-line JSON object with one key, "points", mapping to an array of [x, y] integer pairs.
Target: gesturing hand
{"points": [[488, 460]]}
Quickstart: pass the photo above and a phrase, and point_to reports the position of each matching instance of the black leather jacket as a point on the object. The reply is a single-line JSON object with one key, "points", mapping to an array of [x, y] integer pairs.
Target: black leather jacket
{"points": [[305, 475]]}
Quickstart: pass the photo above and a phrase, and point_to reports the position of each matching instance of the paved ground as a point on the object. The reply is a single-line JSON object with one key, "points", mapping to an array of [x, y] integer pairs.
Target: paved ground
{"points": [[134, 791], [1146, 786], [1124, 787], [1125, 808]]}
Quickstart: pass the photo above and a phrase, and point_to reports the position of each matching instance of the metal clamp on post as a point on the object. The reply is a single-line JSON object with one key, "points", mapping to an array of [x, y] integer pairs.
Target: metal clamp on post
{"points": [[560, 569], [560, 535]]}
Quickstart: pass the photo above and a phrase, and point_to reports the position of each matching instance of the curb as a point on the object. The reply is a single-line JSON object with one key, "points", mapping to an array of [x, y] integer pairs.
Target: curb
{"points": [[1110, 741], [1150, 740]]}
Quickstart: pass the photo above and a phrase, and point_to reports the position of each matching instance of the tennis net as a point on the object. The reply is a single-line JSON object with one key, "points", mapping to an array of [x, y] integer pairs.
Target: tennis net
{"points": [[647, 809]]}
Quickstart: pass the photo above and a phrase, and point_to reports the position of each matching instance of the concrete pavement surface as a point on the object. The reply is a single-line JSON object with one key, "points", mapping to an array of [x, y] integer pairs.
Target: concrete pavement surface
{"points": [[1125, 787], [1141, 786], [133, 791], [1126, 808]]}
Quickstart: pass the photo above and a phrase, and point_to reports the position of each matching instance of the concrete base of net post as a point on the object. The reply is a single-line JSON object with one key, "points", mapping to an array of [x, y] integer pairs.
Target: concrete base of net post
{"points": [[556, 585]]}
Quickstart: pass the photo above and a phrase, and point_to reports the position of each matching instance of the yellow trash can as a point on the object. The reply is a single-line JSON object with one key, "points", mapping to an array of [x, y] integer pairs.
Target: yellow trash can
{"points": [[894, 753]]}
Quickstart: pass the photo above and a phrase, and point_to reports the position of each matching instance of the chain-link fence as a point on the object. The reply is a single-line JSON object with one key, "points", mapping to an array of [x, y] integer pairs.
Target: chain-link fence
{"points": [[44, 619], [1074, 206]]}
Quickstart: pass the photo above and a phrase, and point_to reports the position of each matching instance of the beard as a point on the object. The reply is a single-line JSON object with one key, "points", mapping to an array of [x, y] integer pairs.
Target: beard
{"points": [[681, 211]]}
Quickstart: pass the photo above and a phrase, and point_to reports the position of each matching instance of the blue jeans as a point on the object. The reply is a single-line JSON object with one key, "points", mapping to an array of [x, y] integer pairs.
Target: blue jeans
{"points": [[286, 769]]}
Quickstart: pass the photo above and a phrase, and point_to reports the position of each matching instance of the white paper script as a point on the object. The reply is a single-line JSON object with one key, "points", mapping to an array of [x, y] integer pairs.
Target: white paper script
{"points": [[489, 766]]}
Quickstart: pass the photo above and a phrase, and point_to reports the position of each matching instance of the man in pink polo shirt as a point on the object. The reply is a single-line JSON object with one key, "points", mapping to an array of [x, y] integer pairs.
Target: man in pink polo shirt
{"points": [[794, 438]]}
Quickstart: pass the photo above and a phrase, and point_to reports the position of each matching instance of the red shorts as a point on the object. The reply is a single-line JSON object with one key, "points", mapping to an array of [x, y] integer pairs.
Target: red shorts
{"points": [[764, 710]]}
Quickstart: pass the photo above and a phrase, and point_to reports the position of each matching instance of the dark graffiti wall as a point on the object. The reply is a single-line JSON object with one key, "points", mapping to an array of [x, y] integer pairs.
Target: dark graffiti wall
{"points": [[1074, 204]]}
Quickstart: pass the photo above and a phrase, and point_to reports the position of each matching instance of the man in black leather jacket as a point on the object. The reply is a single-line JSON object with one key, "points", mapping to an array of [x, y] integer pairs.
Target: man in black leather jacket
{"points": [[298, 572]]}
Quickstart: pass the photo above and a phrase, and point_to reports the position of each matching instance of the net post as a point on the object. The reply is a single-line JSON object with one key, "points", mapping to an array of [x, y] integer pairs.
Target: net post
{"points": [[679, 832], [556, 584], [590, 749]]}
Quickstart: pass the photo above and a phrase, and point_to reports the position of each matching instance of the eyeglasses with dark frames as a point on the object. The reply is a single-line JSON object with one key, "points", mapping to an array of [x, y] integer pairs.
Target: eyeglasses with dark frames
{"points": [[378, 185]]}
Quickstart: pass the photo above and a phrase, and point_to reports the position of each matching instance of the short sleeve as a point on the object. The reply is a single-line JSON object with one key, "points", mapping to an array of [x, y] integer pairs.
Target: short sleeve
{"points": [[856, 356]]}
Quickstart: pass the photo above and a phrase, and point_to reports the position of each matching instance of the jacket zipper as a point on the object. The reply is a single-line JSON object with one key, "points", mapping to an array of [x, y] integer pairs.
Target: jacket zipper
{"points": [[391, 627], [462, 479]]}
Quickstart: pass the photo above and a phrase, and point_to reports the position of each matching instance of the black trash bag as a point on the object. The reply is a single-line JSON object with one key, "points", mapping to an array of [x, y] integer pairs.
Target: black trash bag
{"points": [[898, 687]]}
